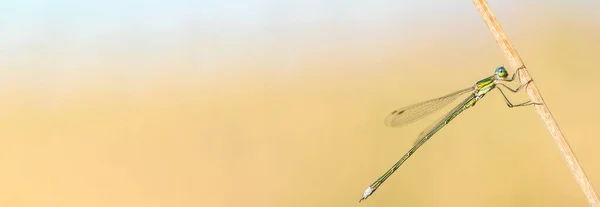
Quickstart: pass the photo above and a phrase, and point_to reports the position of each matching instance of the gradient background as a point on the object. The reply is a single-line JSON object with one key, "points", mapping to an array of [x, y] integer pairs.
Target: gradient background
{"points": [[281, 103]]}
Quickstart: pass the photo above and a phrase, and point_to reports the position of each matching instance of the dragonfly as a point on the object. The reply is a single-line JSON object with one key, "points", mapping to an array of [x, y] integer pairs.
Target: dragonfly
{"points": [[412, 113]]}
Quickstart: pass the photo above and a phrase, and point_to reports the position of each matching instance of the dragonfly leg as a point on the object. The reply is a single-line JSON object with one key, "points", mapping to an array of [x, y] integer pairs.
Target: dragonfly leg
{"points": [[511, 105], [517, 89], [514, 74]]}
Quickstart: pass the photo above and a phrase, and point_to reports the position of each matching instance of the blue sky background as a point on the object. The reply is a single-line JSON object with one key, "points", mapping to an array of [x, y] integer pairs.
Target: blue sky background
{"points": [[71, 40]]}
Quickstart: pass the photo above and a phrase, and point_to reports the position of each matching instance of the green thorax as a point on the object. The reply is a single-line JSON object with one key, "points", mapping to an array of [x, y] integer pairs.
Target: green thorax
{"points": [[485, 85]]}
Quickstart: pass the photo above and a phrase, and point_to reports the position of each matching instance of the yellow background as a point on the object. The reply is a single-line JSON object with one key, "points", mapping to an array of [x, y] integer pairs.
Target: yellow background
{"points": [[275, 112]]}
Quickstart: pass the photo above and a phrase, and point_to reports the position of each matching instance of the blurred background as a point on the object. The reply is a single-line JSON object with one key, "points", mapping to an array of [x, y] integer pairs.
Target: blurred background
{"points": [[281, 103]]}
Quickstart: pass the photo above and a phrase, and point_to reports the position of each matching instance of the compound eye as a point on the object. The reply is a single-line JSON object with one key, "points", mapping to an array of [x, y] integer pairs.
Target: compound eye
{"points": [[501, 72]]}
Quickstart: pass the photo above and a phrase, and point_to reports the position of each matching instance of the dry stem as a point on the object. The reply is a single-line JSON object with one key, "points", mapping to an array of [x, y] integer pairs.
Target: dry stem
{"points": [[534, 95]]}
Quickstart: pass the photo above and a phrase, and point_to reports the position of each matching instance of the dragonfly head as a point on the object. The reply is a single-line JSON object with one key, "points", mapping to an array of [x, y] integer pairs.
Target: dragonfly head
{"points": [[501, 73]]}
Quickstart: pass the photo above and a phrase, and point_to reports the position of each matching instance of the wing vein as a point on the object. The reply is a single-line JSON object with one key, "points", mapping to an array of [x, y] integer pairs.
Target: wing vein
{"points": [[415, 112]]}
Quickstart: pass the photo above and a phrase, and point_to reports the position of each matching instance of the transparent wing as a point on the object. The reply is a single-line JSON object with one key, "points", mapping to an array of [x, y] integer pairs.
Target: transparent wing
{"points": [[435, 124], [417, 111]]}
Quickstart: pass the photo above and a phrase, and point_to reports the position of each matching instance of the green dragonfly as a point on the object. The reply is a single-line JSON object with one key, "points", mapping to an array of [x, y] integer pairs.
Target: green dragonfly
{"points": [[418, 111]]}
